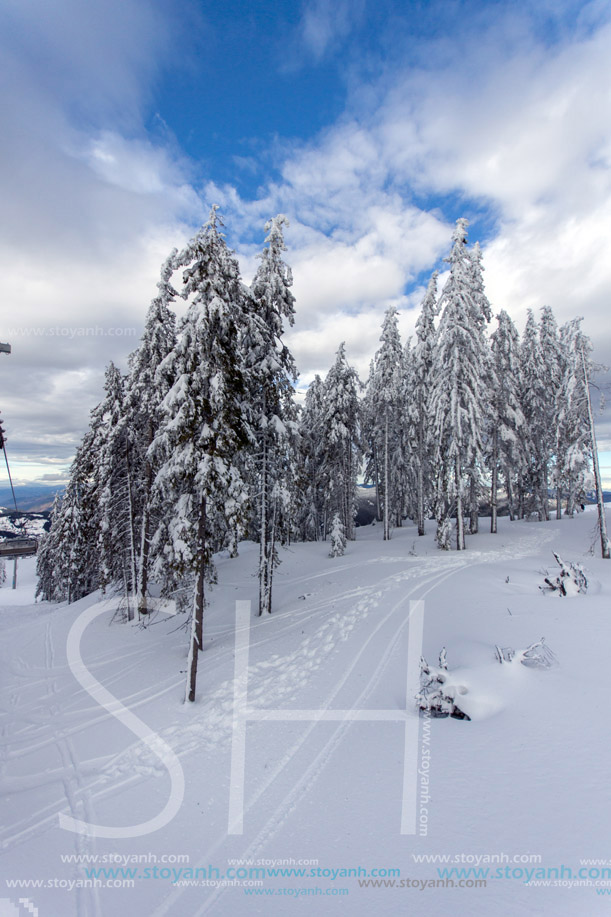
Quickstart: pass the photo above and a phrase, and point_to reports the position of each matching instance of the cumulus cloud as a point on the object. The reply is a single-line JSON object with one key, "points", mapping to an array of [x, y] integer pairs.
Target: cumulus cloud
{"points": [[502, 124], [511, 122], [89, 212]]}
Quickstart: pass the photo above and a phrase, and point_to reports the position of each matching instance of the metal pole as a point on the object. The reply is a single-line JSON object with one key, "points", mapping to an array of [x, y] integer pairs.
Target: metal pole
{"points": [[602, 521], [6, 348]]}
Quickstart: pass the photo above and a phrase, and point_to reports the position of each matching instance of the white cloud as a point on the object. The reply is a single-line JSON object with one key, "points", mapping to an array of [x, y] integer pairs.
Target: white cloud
{"points": [[325, 23], [496, 120], [89, 213], [514, 127]]}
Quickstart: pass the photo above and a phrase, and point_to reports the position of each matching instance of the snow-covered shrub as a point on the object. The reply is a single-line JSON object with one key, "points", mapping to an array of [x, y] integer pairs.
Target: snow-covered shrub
{"points": [[338, 537], [437, 694], [536, 656], [2, 571], [570, 581], [504, 654], [443, 535]]}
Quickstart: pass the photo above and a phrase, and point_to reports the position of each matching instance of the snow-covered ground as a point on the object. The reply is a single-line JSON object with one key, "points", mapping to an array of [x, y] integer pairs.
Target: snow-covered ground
{"points": [[33, 524], [526, 778]]}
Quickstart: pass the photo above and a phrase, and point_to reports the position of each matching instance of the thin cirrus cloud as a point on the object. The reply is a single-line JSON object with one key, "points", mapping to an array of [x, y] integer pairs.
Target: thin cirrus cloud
{"points": [[325, 23]]}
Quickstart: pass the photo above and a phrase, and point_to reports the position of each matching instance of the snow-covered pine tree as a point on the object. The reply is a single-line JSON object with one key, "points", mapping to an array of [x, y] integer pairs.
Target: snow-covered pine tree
{"points": [[312, 491], [461, 376], [507, 447], [482, 314], [386, 415], [51, 583], [369, 427], [146, 387], [574, 445], [605, 543], [204, 422], [419, 402], [540, 373], [553, 372], [115, 490], [68, 565], [341, 446], [405, 504], [532, 400], [271, 371], [337, 537]]}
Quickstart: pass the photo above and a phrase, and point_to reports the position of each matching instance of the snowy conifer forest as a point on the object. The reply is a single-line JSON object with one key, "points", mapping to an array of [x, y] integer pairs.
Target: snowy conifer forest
{"points": [[202, 443], [320, 645], [305, 577]]}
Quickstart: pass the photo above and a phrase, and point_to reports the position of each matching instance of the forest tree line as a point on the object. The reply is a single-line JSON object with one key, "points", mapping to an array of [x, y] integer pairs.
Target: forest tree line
{"points": [[202, 443]]}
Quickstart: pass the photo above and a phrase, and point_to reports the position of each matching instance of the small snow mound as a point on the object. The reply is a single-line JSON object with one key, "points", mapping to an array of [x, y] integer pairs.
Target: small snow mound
{"points": [[570, 581]]}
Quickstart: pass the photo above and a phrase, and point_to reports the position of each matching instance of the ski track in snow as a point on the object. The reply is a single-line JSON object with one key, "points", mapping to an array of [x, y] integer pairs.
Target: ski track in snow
{"points": [[342, 623], [85, 782], [77, 795]]}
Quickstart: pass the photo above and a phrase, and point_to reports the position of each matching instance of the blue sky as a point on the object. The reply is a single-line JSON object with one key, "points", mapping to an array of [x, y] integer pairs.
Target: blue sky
{"points": [[373, 126]]}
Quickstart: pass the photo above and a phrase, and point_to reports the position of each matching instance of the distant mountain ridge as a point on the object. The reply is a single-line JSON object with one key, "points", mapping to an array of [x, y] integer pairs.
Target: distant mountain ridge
{"points": [[31, 498]]}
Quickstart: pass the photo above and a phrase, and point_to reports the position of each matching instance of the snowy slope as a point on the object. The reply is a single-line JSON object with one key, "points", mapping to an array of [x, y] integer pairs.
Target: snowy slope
{"points": [[527, 776]]}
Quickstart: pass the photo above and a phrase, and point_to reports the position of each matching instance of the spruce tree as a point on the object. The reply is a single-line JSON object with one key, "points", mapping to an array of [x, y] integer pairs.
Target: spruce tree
{"points": [[461, 374], [204, 422], [114, 481], [271, 371], [312, 477], [507, 448], [69, 564], [535, 401], [573, 444], [553, 372], [387, 416], [146, 387], [419, 411], [341, 443]]}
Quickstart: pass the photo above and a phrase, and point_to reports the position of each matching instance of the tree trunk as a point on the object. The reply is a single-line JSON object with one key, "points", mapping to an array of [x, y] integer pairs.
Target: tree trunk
{"points": [[494, 482], [197, 623], [377, 483], [473, 507], [420, 500], [460, 522], [509, 488], [569, 509], [520, 496], [145, 532], [144, 553], [270, 557], [605, 547], [132, 542], [420, 479], [263, 534], [386, 487], [543, 496]]}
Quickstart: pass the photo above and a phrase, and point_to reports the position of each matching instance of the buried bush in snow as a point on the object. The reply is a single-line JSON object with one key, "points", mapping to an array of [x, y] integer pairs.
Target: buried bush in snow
{"points": [[536, 656], [570, 581], [338, 537], [437, 694], [443, 535]]}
